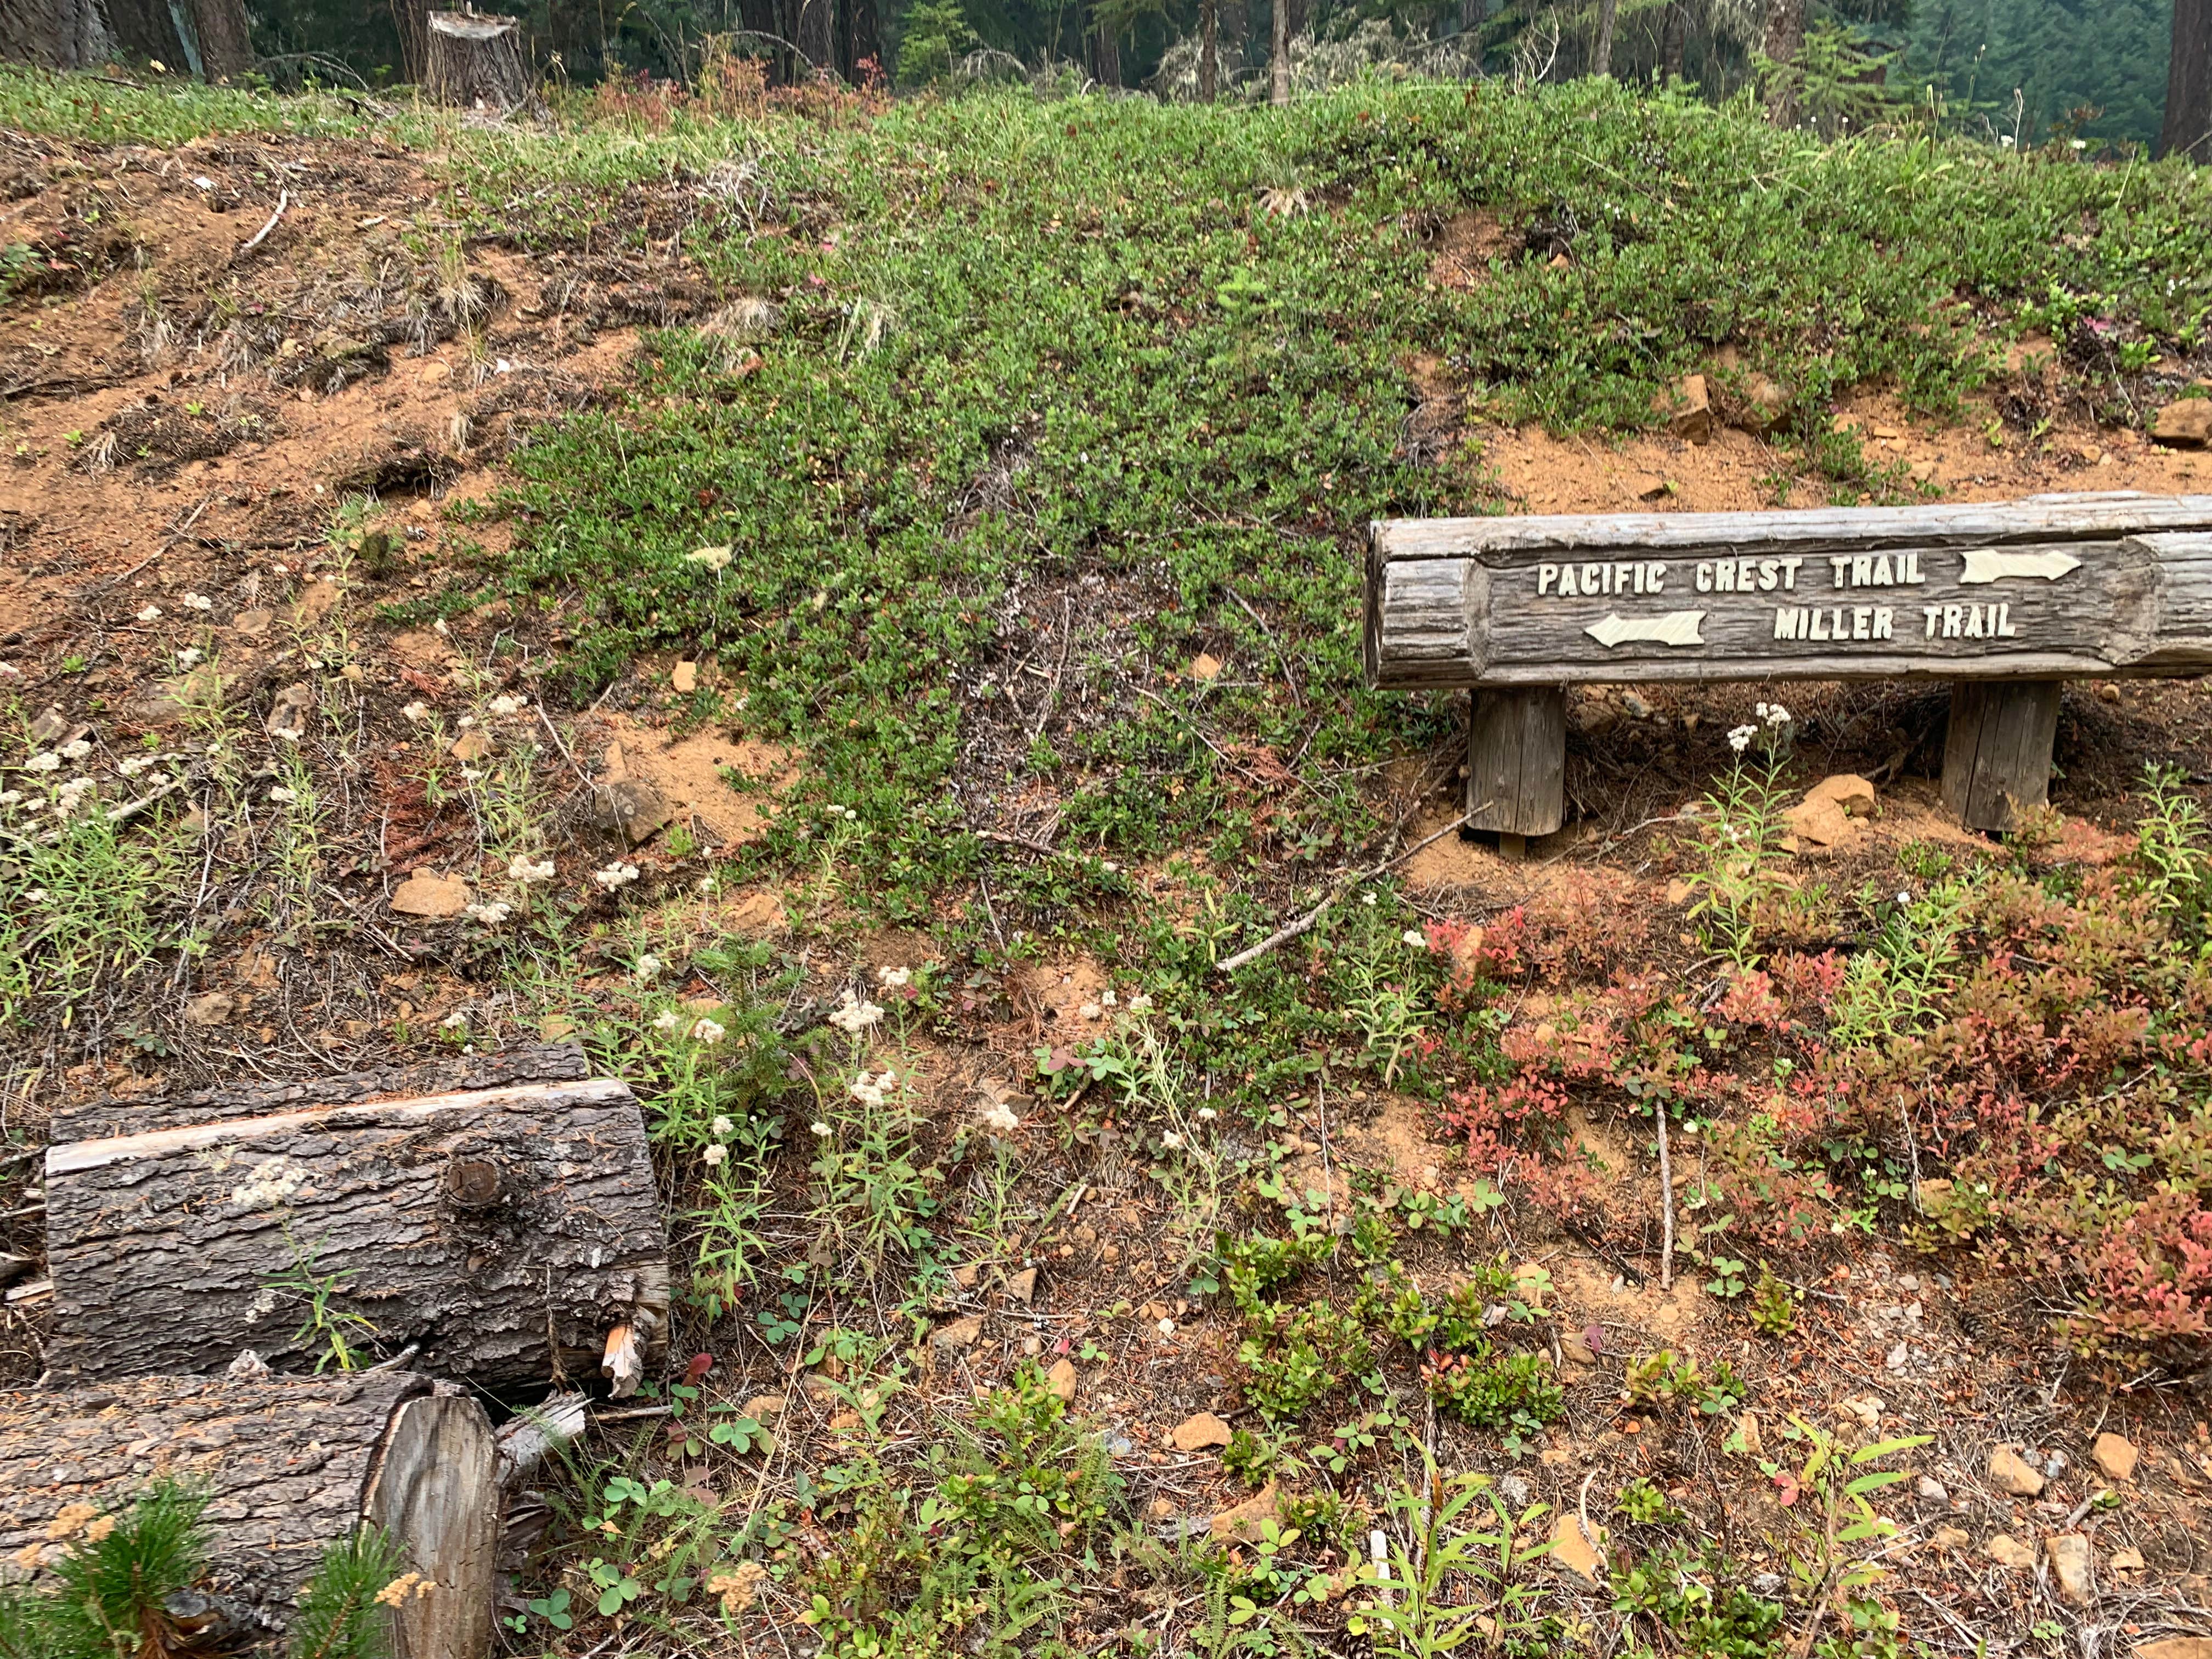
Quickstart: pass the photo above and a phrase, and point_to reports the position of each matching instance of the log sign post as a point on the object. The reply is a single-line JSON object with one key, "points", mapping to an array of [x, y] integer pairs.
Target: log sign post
{"points": [[2004, 601]]}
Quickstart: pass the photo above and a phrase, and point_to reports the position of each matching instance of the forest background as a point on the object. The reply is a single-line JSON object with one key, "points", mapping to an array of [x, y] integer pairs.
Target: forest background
{"points": [[2023, 72]]}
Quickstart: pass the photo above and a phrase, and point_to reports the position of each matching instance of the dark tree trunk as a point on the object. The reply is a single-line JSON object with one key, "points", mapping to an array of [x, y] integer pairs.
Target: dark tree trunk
{"points": [[142, 29], [1674, 36], [1786, 34], [1278, 56], [1209, 50], [505, 1232], [817, 39], [225, 53], [411, 19], [1471, 16], [290, 1466], [861, 47], [1106, 53], [2188, 127], [59, 34], [1601, 49]]}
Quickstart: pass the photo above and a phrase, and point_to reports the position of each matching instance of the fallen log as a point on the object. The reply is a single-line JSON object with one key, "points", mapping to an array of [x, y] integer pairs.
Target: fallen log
{"points": [[504, 1233], [289, 1466]]}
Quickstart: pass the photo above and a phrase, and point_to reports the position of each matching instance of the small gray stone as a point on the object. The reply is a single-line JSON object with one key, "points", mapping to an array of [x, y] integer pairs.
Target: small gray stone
{"points": [[1515, 1491], [629, 809], [1933, 1489]]}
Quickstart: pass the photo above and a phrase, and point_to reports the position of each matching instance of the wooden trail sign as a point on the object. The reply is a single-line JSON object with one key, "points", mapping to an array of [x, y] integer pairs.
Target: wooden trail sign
{"points": [[2018, 595]]}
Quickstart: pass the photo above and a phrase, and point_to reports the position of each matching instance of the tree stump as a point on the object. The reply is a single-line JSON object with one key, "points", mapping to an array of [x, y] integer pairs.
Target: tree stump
{"points": [[1517, 761], [1996, 751], [290, 1466], [475, 61], [503, 1232]]}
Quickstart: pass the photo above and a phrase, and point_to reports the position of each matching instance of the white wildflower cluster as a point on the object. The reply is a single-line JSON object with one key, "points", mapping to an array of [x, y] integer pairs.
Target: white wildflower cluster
{"points": [[131, 765], [715, 1154], [522, 868], [707, 1031], [870, 1088], [667, 1020], [284, 796], [150, 614], [505, 704], [854, 1013], [1171, 1140], [44, 761], [491, 915], [1739, 737], [894, 979], [189, 657], [648, 966], [1771, 714], [1000, 1118], [818, 1128], [1415, 940], [716, 559], [72, 795], [456, 1020], [416, 712], [616, 875], [198, 602], [76, 750]]}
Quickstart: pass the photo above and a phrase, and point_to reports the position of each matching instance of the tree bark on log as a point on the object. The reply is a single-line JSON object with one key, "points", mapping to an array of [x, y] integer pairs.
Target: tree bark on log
{"points": [[290, 1466], [475, 61], [1279, 54], [504, 1233], [2187, 129]]}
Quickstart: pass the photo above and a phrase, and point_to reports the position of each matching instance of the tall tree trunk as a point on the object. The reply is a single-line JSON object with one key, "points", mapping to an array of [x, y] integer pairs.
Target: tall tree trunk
{"points": [[1471, 13], [225, 53], [1786, 34], [816, 36], [141, 29], [860, 46], [1280, 56], [60, 35], [1209, 50], [2188, 127], [1106, 51], [412, 18], [1674, 36], [1601, 51]]}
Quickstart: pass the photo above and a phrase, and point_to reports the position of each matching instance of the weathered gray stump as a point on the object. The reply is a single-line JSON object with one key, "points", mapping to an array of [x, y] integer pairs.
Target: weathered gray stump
{"points": [[1996, 750], [289, 1465], [506, 1233], [475, 61], [1517, 761]]}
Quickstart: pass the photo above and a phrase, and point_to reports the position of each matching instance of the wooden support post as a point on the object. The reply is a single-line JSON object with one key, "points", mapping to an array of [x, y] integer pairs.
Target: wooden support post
{"points": [[1517, 761], [1997, 753]]}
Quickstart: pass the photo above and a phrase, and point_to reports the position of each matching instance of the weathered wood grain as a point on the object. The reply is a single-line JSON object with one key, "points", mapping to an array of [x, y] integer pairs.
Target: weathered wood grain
{"points": [[104, 1115], [2052, 588], [503, 1232], [288, 1465], [1996, 750], [1517, 761]]}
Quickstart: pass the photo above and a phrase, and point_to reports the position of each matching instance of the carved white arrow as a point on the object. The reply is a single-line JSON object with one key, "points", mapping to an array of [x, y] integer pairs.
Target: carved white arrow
{"points": [[1991, 564], [1675, 628]]}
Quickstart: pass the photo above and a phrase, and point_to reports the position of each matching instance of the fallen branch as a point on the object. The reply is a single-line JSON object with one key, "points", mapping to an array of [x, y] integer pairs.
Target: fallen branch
{"points": [[1304, 923], [284, 201], [1666, 1202]]}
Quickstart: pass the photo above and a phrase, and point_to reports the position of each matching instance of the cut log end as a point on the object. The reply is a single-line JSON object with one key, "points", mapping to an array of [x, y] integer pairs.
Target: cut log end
{"points": [[289, 1467]]}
